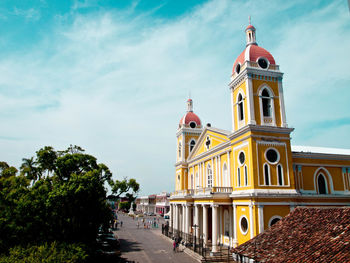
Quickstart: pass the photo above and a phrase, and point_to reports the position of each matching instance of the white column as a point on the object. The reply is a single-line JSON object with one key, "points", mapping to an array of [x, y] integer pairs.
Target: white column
{"points": [[261, 218], [200, 220], [196, 220], [231, 225], [281, 100], [235, 241], [233, 110], [216, 172], [188, 219], [250, 101], [171, 216], [212, 172], [183, 229], [200, 174], [203, 173], [214, 228], [205, 224], [229, 170], [220, 174], [251, 223], [179, 218], [176, 221], [221, 226], [183, 146]]}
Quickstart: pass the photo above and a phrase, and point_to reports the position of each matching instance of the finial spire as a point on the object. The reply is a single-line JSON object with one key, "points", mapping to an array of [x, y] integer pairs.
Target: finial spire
{"points": [[189, 105], [250, 33]]}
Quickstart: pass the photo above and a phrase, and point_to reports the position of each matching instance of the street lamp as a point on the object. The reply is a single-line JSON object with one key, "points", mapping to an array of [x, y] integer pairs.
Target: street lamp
{"points": [[194, 227]]}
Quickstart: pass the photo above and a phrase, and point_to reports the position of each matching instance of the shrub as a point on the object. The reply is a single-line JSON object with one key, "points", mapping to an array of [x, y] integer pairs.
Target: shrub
{"points": [[53, 252]]}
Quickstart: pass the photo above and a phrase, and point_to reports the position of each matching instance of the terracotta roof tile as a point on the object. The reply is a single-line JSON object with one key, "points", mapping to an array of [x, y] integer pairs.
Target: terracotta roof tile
{"points": [[305, 235]]}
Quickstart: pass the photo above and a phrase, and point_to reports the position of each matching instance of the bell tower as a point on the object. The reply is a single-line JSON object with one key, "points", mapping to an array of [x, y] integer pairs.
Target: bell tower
{"points": [[190, 127], [259, 123], [256, 87]]}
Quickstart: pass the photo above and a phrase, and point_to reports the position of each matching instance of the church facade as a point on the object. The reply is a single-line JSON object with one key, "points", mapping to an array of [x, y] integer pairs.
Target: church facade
{"points": [[232, 185]]}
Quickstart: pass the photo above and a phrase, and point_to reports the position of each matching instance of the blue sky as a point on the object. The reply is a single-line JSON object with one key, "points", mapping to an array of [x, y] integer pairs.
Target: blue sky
{"points": [[113, 76]]}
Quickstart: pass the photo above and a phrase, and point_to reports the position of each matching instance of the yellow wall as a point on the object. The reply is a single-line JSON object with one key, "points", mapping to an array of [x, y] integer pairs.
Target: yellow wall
{"points": [[242, 211], [274, 210], [308, 174]]}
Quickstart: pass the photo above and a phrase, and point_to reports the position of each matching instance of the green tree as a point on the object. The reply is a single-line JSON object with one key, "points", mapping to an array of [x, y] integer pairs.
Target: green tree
{"points": [[46, 158], [125, 186], [29, 169], [67, 205]]}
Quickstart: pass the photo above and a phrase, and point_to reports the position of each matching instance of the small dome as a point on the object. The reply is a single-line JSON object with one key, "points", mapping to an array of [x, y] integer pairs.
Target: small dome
{"points": [[250, 27], [190, 119], [253, 52]]}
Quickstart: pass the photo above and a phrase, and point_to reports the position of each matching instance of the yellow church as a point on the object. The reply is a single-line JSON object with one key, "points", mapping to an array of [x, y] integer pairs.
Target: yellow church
{"points": [[234, 184]]}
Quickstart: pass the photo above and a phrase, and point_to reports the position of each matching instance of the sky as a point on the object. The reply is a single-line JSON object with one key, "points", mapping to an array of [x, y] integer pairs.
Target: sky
{"points": [[113, 76]]}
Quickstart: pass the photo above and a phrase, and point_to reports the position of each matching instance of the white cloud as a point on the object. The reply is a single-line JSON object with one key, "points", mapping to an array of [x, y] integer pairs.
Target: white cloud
{"points": [[116, 83], [29, 14]]}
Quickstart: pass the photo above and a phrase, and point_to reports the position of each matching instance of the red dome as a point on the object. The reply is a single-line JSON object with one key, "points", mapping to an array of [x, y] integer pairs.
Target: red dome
{"points": [[190, 117], [252, 53], [250, 27]]}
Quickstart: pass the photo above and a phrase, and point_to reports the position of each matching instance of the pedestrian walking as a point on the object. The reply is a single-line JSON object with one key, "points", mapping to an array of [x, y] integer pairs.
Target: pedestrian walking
{"points": [[174, 246], [121, 224], [177, 244]]}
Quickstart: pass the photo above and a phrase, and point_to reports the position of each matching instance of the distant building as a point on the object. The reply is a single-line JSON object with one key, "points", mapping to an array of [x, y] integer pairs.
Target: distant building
{"points": [[162, 203], [236, 184], [137, 203], [157, 204], [147, 204], [305, 235]]}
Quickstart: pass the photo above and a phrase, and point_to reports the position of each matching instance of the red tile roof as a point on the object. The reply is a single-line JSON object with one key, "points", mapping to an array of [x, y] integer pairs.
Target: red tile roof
{"points": [[305, 235], [252, 53], [250, 27], [190, 117]]}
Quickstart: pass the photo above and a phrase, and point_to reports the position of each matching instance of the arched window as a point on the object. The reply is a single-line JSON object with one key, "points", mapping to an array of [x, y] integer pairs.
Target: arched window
{"points": [[210, 176], [280, 174], [224, 173], [322, 185], [266, 103], [245, 175], [238, 176], [192, 144], [240, 107], [267, 174], [273, 220]]}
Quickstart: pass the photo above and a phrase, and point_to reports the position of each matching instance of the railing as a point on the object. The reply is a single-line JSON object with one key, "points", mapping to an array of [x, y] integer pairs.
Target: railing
{"points": [[197, 245], [268, 120], [222, 189], [185, 192], [203, 191]]}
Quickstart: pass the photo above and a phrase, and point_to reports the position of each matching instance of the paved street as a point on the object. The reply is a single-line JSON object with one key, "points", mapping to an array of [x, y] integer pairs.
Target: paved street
{"points": [[146, 245]]}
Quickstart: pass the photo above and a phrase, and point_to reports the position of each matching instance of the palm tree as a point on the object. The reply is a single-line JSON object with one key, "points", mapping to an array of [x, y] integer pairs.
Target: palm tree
{"points": [[29, 169]]}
